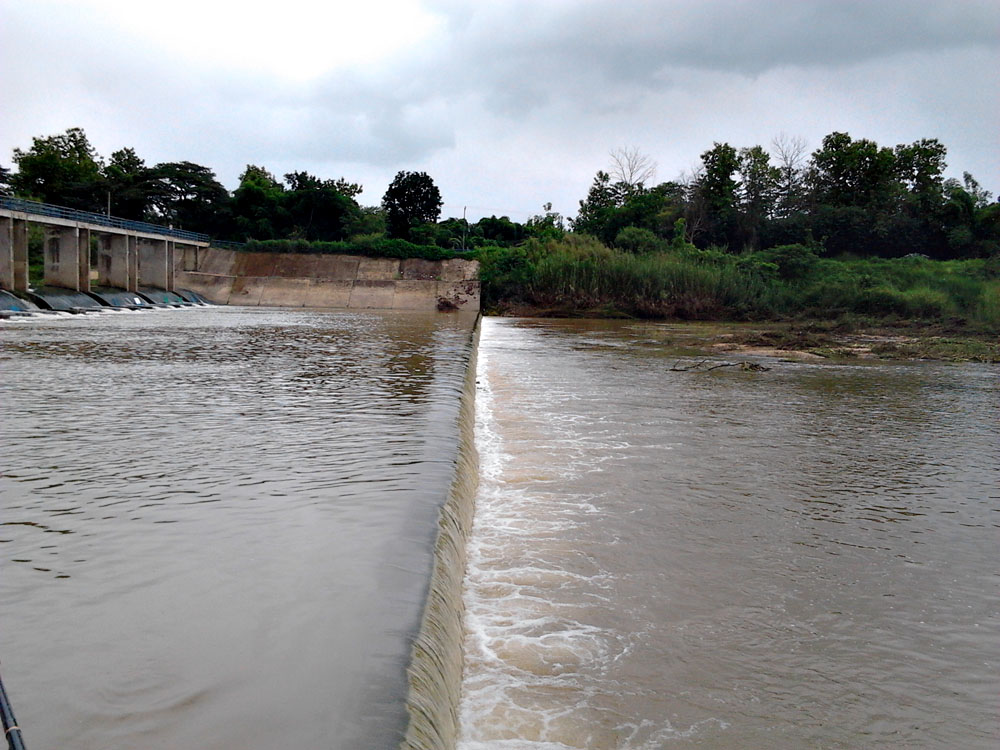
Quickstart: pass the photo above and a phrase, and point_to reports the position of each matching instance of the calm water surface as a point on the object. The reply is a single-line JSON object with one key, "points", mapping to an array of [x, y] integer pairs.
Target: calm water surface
{"points": [[800, 558], [217, 524]]}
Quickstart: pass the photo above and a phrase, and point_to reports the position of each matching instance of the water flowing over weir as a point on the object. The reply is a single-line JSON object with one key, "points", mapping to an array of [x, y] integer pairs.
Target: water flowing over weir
{"points": [[797, 558], [435, 670], [220, 525]]}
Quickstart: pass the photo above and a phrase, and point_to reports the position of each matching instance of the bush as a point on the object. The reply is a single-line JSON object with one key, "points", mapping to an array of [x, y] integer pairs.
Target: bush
{"points": [[794, 262], [637, 240], [374, 246]]}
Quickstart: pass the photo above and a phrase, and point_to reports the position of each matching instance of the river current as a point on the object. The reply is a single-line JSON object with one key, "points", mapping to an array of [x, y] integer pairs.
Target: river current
{"points": [[803, 557], [218, 524]]}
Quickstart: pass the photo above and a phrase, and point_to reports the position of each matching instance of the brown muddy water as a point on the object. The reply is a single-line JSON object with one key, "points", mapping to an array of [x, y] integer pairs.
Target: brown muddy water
{"points": [[218, 523], [800, 558]]}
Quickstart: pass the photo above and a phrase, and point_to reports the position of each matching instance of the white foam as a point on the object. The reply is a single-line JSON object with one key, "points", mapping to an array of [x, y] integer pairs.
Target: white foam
{"points": [[531, 654]]}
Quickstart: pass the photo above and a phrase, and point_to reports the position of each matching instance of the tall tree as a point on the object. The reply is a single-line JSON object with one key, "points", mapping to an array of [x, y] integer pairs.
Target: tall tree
{"points": [[598, 207], [757, 193], [258, 205], [920, 168], [631, 167], [411, 199], [130, 185], [188, 196], [717, 190], [790, 158], [848, 172], [321, 209], [63, 169]]}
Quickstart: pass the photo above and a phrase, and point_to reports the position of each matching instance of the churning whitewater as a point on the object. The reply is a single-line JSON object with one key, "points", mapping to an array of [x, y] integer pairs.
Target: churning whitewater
{"points": [[800, 557]]}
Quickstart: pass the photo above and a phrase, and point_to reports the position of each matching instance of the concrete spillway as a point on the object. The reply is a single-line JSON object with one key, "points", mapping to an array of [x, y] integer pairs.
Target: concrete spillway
{"points": [[64, 300], [110, 297], [14, 303]]}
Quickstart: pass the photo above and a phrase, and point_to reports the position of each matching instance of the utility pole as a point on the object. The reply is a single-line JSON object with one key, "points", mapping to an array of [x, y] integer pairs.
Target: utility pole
{"points": [[465, 227]]}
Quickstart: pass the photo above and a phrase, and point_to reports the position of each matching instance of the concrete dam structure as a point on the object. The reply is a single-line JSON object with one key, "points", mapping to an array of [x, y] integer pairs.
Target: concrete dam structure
{"points": [[236, 277], [130, 254], [92, 260]]}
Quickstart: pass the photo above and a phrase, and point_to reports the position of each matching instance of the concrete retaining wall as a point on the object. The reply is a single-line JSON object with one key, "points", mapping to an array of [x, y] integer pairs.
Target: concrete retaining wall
{"points": [[229, 277]]}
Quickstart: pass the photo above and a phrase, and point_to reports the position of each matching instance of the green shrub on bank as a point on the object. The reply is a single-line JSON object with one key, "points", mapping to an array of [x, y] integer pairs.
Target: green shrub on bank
{"points": [[373, 246], [578, 273]]}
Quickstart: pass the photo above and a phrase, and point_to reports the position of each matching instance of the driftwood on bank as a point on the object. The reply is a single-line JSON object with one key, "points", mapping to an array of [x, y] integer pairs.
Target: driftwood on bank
{"points": [[701, 367]]}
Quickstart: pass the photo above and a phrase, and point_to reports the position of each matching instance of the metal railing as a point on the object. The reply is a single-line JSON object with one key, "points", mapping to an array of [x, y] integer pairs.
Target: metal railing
{"points": [[61, 212], [229, 245]]}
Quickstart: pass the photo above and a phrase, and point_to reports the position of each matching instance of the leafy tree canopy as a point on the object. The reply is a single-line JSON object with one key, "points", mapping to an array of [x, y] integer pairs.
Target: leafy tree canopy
{"points": [[411, 199], [63, 169]]}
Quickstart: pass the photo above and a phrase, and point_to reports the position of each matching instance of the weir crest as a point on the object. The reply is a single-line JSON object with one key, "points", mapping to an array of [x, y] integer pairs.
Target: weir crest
{"points": [[435, 671]]}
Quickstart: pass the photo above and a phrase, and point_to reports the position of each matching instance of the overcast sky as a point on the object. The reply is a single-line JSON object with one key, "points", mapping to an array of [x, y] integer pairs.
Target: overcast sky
{"points": [[507, 105]]}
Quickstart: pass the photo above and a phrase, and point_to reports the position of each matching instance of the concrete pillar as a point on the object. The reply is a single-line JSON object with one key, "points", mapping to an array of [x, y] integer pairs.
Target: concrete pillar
{"points": [[62, 258], [6, 253], [113, 262], [83, 270], [132, 260], [153, 264], [171, 252], [19, 236]]}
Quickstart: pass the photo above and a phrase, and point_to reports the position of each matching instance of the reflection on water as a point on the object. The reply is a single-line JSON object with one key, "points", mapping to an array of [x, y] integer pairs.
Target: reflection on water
{"points": [[217, 523], [804, 557]]}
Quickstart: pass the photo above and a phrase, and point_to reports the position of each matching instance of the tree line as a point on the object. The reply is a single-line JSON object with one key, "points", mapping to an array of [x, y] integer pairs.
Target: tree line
{"points": [[65, 169], [848, 196]]}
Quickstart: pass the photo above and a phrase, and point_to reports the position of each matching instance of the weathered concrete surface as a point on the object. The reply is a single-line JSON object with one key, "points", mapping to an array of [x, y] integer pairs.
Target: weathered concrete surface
{"points": [[229, 277]]}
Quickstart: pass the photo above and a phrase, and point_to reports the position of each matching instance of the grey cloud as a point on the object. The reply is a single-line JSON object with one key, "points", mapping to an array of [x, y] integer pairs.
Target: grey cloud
{"points": [[594, 46], [514, 81]]}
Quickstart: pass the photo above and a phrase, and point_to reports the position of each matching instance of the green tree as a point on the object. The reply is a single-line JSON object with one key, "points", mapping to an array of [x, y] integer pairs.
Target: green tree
{"points": [[717, 192], [130, 185], [920, 168], [411, 199], [546, 226], [598, 207], [320, 209], [845, 172], [757, 193], [500, 231], [258, 206], [63, 169], [188, 196]]}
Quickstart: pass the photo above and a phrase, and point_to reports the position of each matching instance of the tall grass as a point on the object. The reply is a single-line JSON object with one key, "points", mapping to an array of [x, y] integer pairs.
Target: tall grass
{"points": [[578, 273]]}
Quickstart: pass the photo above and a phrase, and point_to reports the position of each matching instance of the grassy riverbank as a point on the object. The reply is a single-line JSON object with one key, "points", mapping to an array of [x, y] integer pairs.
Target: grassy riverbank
{"points": [[912, 306]]}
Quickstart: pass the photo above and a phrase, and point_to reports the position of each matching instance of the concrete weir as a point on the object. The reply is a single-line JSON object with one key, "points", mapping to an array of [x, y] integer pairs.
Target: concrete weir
{"points": [[435, 671], [231, 277]]}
